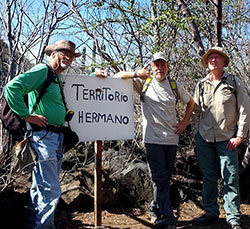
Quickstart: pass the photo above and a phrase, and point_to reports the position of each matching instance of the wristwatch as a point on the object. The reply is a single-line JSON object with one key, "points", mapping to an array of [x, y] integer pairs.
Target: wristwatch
{"points": [[134, 75]]}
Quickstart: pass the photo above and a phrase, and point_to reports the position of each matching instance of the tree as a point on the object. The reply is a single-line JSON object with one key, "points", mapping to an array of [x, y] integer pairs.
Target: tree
{"points": [[27, 26]]}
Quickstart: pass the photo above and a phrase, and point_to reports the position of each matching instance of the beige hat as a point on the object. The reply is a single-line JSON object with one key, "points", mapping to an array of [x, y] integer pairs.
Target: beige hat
{"points": [[160, 56], [62, 45], [215, 49]]}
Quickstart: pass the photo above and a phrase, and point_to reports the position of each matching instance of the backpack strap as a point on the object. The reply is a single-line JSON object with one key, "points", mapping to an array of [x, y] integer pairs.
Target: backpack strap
{"points": [[172, 83], [145, 87], [51, 76], [229, 81], [173, 86]]}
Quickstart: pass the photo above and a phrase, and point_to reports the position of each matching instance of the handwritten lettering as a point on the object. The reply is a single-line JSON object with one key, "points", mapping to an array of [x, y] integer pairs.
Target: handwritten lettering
{"points": [[95, 117], [98, 94]]}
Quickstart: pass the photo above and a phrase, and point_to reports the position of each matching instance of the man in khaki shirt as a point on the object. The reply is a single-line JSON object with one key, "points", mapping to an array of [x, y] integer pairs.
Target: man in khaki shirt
{"points": [[220, 123]]}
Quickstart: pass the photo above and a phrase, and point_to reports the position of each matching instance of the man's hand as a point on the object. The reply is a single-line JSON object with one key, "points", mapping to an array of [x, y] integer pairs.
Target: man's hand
{"points": [[180, 127], [233, 143], [101, 73], [143, 73], [38, 120]]}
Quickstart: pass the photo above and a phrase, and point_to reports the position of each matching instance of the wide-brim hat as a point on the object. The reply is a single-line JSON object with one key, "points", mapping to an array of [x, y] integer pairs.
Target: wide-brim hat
{"points": [[159, 56], [215, 49], [62, 45]]}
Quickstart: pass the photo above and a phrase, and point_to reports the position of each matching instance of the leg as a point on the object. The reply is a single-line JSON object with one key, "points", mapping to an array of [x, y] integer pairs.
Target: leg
{"points": [[160, 160], [208, 163], [230, 177], [46, 191]]}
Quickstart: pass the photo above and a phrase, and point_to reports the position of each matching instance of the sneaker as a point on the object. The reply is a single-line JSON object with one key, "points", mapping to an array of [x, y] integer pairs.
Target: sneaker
{"points": [[205, 220], [155, 215], [160, 222], [154, 219], [235, 227]]}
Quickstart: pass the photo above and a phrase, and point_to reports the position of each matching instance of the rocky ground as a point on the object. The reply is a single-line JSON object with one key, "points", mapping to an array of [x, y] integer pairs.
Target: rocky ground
{"points": [[134, 218], [126, 189]]}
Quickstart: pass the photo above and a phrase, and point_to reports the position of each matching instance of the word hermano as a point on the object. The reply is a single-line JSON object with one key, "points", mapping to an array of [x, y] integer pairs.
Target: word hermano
{"points": [[94, 117]]}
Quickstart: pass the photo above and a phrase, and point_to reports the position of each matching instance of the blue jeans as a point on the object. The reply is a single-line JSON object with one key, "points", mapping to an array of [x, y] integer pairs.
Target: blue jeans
{"points": [[45, 190], [160, 159], [210, 156]]}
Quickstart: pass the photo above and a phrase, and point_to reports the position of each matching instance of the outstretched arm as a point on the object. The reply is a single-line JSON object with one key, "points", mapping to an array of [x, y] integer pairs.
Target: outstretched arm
{"points": [[142, 74]]}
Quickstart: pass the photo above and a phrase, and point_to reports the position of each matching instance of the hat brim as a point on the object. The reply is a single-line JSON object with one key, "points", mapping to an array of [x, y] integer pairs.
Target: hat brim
{"points": [[159, 58], [50, 48], [210, 51]]}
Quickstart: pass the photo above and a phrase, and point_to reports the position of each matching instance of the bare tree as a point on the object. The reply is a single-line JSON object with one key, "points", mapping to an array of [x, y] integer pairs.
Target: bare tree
{"points": [[27, 30], [155, 24], [27, 27], [218, 24], [193, 26]]}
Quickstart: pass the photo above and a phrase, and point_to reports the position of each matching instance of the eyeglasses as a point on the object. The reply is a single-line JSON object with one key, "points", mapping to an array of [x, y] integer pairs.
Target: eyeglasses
{"points": [[66, 53]]}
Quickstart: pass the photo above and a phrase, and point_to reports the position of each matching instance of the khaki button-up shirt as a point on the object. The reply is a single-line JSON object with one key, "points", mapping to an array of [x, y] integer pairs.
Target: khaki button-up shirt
{"points": [[222, 110]]}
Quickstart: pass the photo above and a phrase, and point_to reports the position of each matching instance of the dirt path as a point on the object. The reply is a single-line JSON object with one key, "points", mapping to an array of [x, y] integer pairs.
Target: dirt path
{"points": [[135, 219]]}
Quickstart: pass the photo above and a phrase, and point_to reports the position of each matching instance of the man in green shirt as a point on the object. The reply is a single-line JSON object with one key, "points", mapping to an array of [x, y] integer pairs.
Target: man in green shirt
{"points": [[46, 137]]}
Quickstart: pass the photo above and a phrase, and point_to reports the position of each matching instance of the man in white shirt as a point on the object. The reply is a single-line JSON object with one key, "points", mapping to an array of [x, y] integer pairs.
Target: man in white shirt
{"points": [[161, 130]]}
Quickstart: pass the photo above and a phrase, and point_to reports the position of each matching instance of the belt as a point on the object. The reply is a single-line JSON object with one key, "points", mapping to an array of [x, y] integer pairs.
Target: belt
{"points": [[51, 128]]}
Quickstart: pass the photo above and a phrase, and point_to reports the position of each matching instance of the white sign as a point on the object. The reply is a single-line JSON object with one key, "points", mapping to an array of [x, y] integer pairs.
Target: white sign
{"points": [[103, 108]]}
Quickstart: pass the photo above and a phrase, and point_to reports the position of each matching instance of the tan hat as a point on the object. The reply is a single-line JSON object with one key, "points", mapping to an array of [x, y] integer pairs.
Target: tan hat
{"points": [[159, 56], [215, 49], [62, 45]]}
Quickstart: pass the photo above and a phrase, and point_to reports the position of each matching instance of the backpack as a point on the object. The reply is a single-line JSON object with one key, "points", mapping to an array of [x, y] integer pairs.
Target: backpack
{"points": [[12, 121], [231, 84], [148, 81]]}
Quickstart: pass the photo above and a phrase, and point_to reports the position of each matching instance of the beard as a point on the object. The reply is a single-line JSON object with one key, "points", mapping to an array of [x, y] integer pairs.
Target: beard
{"points": [[64, 64], [160, 77]]}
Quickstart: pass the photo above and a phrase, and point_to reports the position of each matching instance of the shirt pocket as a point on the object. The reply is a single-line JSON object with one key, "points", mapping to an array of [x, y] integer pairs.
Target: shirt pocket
{"points": [[228, 95], [207, 97]]}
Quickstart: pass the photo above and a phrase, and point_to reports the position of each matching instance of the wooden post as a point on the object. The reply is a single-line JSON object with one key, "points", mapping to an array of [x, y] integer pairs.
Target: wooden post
{"points": [[98, 183]]}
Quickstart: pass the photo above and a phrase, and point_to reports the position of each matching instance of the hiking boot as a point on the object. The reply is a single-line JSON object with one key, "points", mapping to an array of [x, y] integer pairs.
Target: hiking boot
{"points": [[163, 223], [205, 220], [170, 227]]}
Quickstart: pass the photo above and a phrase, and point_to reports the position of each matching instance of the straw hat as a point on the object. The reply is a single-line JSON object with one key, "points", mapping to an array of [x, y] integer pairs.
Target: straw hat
{"points": [[215, 49], [62, 45]]}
